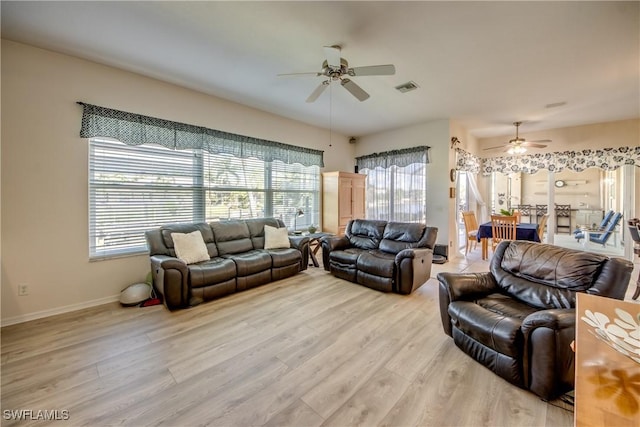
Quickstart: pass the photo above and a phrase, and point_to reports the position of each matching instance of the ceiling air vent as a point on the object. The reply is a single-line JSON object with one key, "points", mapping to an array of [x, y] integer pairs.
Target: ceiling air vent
{"points": [[406, 87]]}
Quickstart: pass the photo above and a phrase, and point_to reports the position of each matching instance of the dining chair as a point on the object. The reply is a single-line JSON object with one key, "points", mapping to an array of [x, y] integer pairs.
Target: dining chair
{"points": [[502, 228], [518, 216], [541, 225], [540, 211], [525, 211], [563, 212], [470, 229]]}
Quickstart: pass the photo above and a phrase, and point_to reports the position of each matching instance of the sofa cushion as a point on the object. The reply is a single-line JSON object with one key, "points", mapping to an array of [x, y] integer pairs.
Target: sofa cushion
{"points": [[365, 233], [250, 262], [284, 257], [232, 237], [276, 238], [347, 256], [492, 328], [545, 276], [553, 265], [190, 247], [256, 229], [400, 235], [215, 270], [377, 263], [205, 231]]}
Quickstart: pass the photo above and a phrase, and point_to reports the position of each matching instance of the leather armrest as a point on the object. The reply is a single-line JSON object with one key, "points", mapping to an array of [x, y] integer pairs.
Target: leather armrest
{"points": [[548, 360], [556, 319], [301, 243], [171, 279], [331, 244], [335, 243], [414, 269], [467, 285], [457, 286], [298, 242]]}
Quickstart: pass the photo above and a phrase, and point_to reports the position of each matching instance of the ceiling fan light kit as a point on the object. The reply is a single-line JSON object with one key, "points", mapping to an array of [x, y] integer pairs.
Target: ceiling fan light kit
{"points": [[518, 149], [517, 145], [335, 68]]}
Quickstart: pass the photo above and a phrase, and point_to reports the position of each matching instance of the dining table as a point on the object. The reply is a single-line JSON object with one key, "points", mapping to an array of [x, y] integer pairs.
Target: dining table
{"points": [[524, 231]]}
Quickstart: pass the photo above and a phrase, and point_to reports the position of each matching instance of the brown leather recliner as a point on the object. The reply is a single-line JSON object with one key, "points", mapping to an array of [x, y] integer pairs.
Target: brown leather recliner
{"points": [[519, 318], [386, 256]]}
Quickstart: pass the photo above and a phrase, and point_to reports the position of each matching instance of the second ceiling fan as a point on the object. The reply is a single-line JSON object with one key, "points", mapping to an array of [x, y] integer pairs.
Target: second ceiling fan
{"points": [[518, 145], [335, 68]]}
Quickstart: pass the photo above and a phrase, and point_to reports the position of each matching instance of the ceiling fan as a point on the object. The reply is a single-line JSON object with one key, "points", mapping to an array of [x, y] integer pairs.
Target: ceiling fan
{"points": [[518, 145], [335, 68]]}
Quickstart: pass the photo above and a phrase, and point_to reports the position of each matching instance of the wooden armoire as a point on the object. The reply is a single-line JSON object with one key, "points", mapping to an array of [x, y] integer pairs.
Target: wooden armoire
{"points": [[343, 199]]}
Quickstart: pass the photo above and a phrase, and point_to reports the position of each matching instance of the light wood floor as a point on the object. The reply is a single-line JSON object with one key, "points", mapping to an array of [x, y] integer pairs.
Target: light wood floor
{"points": [[306, 351]]}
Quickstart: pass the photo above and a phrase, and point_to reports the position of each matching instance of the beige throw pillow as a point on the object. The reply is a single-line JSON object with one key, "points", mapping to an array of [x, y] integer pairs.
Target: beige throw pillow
{"points": [[276, 238], [190, 247]]}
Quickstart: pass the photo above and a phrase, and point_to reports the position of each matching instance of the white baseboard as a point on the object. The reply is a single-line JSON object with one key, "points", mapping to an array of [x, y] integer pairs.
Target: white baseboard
{"points": [[59, 310]]}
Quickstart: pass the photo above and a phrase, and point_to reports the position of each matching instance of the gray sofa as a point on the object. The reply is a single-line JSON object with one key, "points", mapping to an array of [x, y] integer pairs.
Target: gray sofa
{"points": [[386, 256], [238, 260]]}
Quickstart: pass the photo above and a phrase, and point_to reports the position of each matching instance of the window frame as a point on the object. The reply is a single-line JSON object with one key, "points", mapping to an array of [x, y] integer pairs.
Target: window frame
{"points": [[199, 193]]}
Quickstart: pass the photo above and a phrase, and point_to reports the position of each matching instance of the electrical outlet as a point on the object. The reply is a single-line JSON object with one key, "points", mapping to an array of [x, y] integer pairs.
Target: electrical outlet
{"points": [[23, 290]]}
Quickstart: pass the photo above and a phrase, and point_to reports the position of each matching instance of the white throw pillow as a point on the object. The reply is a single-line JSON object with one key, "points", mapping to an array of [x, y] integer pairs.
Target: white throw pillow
{"points": [[276, 238], [190, 247]]}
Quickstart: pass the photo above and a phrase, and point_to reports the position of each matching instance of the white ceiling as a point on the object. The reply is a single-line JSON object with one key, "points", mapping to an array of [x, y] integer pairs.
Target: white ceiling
{"points": [[485, 64]]}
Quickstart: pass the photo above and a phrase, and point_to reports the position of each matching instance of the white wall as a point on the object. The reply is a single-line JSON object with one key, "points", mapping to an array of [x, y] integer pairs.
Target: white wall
{"points": [[435, 135], [45, 170]]}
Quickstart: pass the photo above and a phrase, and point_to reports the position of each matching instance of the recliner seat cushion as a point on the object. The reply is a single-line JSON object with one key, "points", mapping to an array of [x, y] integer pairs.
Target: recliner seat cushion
{"points": [[494, 330], [347, 257], [251, 262], [210, 272], [377, 263], [284, 257]]}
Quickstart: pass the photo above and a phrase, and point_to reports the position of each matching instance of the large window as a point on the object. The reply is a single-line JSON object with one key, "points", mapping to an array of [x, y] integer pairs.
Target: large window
{"points": [[396, 184], [134, 188], [397, 193]]}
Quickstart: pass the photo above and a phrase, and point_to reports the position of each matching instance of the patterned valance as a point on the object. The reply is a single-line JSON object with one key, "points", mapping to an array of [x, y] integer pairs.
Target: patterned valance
{"points": [[467, 162], [577, 161], [136, 129], [399, 158]]}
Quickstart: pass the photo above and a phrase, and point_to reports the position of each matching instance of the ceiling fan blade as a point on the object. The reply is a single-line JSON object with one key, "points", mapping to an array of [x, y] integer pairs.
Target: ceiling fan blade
{"points": [[311, 73], [373, 70], [530, 144], [355, 90], [541, 140], [497, 147], [332, 53], [318, 91]]}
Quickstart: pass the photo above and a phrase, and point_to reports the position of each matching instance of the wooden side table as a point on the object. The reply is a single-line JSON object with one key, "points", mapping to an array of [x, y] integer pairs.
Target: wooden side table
{"points": [[314, 245]]}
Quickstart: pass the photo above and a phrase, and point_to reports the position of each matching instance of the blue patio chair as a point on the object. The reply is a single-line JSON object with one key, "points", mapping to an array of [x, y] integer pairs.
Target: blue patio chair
{"points": [[602, 225], [602, 236]]}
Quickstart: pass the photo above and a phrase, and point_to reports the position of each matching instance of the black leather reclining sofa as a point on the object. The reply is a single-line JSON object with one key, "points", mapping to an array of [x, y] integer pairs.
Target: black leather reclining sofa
{"points": [[238, 260], [386, 256]]}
